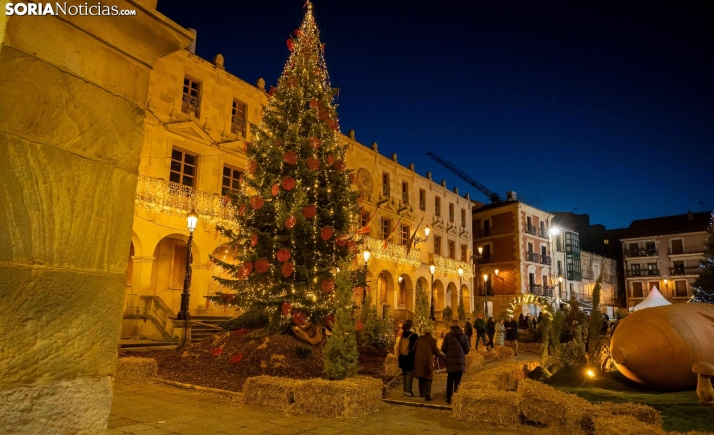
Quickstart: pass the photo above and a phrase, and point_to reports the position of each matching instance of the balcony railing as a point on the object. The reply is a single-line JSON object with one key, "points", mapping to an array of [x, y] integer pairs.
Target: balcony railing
{"points": [[678, 271], [540, 290], [392, 252], [544, 259], [450, 266], [543, 232], [531, 229], [386, 191], [685, 251], [405, 198], [532, 256], [574, 276], [191, 105], [642, 272], [644, 252], [238, 125], [174, 199]]}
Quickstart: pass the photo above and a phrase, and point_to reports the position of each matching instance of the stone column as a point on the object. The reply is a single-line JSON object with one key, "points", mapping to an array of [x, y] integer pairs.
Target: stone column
{"points": [[141, 281], [72, 106]]}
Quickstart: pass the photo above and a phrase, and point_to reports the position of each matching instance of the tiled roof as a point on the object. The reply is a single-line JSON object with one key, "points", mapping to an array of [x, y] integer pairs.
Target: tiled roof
{"points": [[669, 225]]}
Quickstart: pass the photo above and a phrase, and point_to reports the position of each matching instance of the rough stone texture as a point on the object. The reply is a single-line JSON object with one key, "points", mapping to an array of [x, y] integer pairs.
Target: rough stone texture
{"points": [[71, 128]]}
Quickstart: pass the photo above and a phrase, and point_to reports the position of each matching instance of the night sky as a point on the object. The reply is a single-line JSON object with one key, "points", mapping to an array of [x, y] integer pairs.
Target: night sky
{"points": [[592, 108]]}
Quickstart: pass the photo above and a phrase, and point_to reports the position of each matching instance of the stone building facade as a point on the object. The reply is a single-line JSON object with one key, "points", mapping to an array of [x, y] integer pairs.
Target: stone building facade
{"points": [[196, 130], [592, 265]]}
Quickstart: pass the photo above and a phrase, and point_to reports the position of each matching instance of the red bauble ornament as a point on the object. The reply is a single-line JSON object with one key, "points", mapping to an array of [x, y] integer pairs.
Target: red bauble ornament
{"points": [[289, 42], [315, 142], [290, 157], [287, 269], [288, 183], [216, 351], [275, 190], [241, 210], [257, 202], [298, 32], [341, 240], [230, 297], [278, 142], [314, 103], [330, 159], [322, 115], [299, 318], [271, 92], [351, 245], [340, 165], [253, 240], [360, 326], [252, 166], [235, 359], [283, 255], [327, 285], [287, 308], [245, 270], [313, 163], [333, 125], [292, 82], [326, 233], [290, 221], [262, 265], [358, 291], [309, 211]]}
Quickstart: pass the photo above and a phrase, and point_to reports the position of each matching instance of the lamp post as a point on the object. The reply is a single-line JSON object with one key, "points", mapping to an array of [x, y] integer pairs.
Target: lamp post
{"points": [[432, 314], [418, 239], [560, 287], [666, 284], [365, 255], [503, 281], [485, 290], [192, 219], [461, 273]]}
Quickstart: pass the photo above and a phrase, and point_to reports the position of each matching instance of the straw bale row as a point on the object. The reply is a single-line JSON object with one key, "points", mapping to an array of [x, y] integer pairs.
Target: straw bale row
{"points": [[643, 413], [474, 360], [502, 353], [485, 405], [525, 347], [136, 368], [391, 365], [352, 397]]}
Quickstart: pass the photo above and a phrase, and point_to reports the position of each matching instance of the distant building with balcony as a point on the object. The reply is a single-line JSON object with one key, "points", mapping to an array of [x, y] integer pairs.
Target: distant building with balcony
{"points": [[664, 252], [593, 266], [515, 241]]}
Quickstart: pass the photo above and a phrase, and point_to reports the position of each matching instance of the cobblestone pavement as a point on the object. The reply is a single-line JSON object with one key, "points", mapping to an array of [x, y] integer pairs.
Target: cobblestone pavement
{"points": [[146, 408]]}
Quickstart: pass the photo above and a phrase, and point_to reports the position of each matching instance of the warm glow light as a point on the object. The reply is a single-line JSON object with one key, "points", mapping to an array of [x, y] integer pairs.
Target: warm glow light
{"points": [[665, 281], [366, 254], [480, 250], [400, 279], [427, 230], [560, 279], [432, 269], [485, 278], [496, 272], [554, 230], [192, 219], [461, 272], [590, 373]]}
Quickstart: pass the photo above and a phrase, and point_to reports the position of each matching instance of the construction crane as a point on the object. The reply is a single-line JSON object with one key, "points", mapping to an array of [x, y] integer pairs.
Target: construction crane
{"points": [[493, 196]]}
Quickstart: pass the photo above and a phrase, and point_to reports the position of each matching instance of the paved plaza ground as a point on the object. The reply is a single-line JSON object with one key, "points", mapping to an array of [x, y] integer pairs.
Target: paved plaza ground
{"points": [[147, 408]]}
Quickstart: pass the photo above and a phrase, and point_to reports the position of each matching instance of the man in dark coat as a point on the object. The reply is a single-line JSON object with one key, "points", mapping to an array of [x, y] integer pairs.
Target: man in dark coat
{"points": [[455, 346], [425, 349], [480, 326], [491, 332], [512, 332], [406, 355], [522, 323], [469, 330]]}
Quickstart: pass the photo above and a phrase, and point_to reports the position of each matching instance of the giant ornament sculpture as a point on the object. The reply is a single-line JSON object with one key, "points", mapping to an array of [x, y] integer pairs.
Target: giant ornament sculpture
{"points": [[658, 346]]}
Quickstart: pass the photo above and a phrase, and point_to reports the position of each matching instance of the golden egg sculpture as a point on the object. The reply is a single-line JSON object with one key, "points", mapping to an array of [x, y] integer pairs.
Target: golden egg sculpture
{"points": [[658, 346]]}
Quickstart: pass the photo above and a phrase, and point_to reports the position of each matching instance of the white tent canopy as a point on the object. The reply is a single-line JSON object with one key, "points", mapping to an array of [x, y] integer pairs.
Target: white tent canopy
{"points": [[654, 299]]}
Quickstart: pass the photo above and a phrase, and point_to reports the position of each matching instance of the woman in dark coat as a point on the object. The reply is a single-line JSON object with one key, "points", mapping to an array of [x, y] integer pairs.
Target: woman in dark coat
{"points": [[455, 346], [512, 332], [406, 355], [425, 349]]}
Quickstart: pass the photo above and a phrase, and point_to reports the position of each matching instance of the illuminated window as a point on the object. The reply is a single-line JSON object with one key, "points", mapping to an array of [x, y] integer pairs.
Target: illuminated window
{"points": [[422, 199], [404, 234], [385, 228], [191, 102], [238, 118], [437, 245], [232, 178], [183, 168], [452, 249]]}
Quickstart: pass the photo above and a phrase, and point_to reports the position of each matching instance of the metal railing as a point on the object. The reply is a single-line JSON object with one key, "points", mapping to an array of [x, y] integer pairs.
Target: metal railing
{"points": [[191, 105], [687, 250], [642, 252], [543, 232], [675, 271], [544, 259], [531, 229], [642, 272], [532, 256]]}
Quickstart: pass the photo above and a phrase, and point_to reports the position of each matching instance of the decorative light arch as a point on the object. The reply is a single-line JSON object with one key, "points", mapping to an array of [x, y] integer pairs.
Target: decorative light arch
{"points": [[528, 299]]}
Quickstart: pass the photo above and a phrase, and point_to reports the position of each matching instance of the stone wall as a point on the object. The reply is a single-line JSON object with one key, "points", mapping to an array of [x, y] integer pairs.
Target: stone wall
{"points": [[71, 129]]}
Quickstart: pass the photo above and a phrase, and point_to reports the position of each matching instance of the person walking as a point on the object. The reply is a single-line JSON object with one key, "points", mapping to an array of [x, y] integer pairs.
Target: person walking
{"points": [[469, 330], [425, 350], [491, 332], [397, 339], [406, 355], [500, 332], [480, 326], [455, 347], [577, 333], [522, 324], [512, 332]]}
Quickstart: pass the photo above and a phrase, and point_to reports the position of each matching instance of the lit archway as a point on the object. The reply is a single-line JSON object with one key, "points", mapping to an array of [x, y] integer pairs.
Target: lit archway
{"points": [[405, 293], [439, 297], [384, 292], [529, 299], [169, 269], [452, 296], [466, 296]]}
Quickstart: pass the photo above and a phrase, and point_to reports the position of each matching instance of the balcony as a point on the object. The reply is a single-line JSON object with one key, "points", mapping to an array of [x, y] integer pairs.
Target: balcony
{"points": [[683, 271], [392, 252], [646, 252], [531, 229], [642, 272], [405, 198], [539, 290], [574, 276], [544, 259], [449, 266], [238, 125], [686, 251], [543, 232], [532, 256], [191, 105], [163, 196]]}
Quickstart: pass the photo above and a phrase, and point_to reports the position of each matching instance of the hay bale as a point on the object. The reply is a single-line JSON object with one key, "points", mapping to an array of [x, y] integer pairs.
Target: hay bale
{"points": [[474, 360], [503, 353], [543, 404], [643, 413], [470, 383], [136, 368], [505, 377], [608, 424], [391, 365], [270, 391], [485, 405], [351, 397]]}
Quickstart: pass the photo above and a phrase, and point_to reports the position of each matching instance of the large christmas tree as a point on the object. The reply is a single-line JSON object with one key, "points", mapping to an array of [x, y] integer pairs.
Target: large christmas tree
{"points": [[704, 285], [296, 208]]}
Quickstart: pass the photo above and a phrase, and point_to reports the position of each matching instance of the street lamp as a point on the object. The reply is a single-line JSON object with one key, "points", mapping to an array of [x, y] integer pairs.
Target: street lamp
{"points": [[560, 287], [503, 281], [485, 290], [365, 255], [192, 219], [432, 314], [666, 284], [418, 239]]}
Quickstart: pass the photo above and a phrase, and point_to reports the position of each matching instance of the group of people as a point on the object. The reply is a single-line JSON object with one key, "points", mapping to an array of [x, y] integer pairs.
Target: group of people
{"points": [[417, 355], [495, 332]]}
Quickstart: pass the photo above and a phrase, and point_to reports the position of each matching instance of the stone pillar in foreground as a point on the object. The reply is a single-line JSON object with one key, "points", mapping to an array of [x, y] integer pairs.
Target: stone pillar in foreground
{"points": [[72, 101]]}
